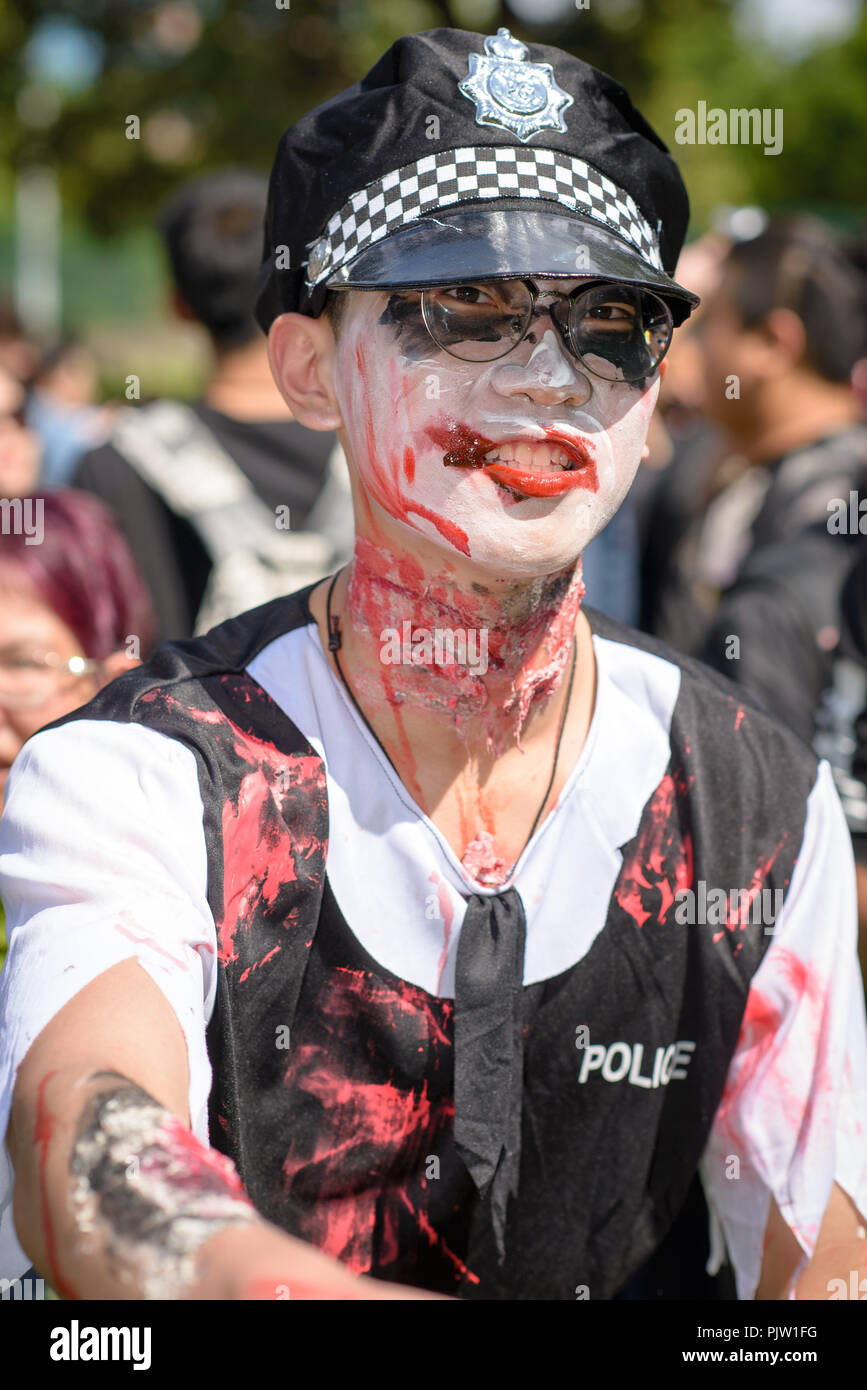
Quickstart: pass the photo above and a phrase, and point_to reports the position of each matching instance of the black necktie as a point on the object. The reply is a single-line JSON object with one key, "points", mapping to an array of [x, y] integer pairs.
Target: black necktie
{"points": [[489, 1051]]}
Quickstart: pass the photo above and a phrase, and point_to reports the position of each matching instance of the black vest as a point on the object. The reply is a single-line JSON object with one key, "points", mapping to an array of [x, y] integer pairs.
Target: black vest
{"points": [[332, 1088]]}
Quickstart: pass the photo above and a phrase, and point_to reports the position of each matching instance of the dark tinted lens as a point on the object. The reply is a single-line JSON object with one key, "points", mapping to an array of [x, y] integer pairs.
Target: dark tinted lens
{"points": [[478, 323], [620, 332]]}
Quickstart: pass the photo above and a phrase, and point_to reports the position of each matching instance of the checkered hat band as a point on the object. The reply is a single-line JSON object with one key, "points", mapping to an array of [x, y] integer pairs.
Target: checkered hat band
{"points": [[456, 176]]}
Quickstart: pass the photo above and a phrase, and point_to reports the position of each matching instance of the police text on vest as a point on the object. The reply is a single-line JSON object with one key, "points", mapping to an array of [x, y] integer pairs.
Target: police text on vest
{"points": [[622, 1061]]}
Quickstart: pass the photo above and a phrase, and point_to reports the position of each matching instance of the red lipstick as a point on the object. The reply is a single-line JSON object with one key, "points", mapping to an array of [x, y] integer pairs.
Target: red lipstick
{"points": [[466, 448], [538, 484]]}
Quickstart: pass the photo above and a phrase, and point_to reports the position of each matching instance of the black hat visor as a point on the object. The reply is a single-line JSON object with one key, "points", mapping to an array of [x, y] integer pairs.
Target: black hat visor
{"points": [[506, 242]]}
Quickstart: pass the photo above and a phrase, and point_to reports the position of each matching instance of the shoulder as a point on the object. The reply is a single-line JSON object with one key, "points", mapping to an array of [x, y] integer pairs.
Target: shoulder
{"points": [[839, 459], [177, 685], [712, 723], [100, 466]]}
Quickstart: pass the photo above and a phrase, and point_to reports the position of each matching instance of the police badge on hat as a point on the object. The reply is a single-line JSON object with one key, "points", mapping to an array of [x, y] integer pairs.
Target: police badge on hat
{"points": [[362, 198], [511, 92]]}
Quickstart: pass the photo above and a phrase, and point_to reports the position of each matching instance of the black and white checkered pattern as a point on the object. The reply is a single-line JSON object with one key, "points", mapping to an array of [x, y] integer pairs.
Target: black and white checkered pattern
{"points": [[456, 176]]}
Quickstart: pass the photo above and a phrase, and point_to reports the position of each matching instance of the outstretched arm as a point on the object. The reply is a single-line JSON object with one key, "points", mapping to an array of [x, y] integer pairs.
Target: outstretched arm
{"points": [[114, 1194]]}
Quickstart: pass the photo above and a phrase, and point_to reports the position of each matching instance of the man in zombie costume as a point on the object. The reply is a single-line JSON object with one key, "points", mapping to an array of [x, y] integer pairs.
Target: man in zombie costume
{"points": [[489, 925]]}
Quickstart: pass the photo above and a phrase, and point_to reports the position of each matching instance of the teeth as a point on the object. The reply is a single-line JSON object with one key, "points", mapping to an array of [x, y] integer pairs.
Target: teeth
{"points": [[531, 456]]}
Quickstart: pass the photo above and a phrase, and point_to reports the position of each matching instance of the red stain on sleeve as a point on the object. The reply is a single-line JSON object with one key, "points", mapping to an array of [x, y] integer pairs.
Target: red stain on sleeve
{"points": [[129, 928], [769, 1083]]}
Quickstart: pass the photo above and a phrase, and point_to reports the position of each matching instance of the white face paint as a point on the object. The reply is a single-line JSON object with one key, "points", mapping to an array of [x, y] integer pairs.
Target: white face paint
{"points": [[418, 423]]}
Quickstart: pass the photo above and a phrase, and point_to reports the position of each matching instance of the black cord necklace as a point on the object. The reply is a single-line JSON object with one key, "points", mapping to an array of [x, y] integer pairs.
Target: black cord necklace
{"points": [[566, 704], [335, 642]]}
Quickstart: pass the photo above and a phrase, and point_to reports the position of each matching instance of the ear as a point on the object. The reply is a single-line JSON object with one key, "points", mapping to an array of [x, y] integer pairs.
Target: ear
{"points": [[301, 353], [182, 308], [785, 338]]}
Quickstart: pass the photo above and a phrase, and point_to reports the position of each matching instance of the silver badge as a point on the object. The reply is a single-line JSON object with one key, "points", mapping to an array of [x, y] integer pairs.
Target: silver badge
{"points": [[318, 259], [512, 93]]}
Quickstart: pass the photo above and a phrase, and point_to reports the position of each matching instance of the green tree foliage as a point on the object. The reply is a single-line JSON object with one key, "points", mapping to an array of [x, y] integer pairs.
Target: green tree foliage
{"points": [[215, 82]]}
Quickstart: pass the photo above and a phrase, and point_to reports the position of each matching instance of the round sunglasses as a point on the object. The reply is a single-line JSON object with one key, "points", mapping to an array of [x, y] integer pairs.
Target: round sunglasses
{"points": [[618, 332]]}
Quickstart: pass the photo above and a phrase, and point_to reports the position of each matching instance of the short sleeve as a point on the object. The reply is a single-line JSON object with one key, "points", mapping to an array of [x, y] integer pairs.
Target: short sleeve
{"points": [[793, 1117], [102, 857]]}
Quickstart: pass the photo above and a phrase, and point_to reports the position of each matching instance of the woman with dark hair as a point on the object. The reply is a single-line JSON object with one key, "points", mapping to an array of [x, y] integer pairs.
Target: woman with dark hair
{"points": [[74, 614]]}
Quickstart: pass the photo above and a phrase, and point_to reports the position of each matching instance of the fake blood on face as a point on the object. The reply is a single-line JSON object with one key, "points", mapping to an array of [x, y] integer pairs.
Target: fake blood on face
{"points": [[387, 478], [463, 447]]}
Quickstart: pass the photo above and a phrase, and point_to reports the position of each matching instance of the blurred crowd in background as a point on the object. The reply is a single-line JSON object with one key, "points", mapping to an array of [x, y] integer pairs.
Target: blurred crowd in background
{"points": [[740, 543]]}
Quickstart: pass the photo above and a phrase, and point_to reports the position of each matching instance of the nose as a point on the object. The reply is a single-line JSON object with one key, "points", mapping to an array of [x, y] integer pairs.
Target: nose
{"points": [[548, 377]]}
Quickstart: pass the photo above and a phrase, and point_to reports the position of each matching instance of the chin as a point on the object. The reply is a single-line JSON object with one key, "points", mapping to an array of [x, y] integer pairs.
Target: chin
{"points": [[530, 547], [523, 568], [474, 521]]}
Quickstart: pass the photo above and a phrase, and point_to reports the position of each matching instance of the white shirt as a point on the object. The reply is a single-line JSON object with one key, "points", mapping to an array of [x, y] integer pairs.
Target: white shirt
{"points": [[103, 857]]}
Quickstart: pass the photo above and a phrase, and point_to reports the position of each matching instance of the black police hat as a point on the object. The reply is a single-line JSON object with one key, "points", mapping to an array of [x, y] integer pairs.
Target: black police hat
{"points": [[460, 157]]}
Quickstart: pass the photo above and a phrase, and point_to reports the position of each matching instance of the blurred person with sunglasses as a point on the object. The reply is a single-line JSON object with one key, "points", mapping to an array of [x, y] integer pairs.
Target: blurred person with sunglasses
{"points": [[389, 879]]}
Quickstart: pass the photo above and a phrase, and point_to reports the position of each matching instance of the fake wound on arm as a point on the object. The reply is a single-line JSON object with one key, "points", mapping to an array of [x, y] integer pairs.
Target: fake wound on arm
{"points": [[131, 1196]]}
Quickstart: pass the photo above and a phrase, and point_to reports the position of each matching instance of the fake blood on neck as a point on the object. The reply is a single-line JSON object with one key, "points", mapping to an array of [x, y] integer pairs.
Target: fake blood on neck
{"points": [[527, 646]]}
